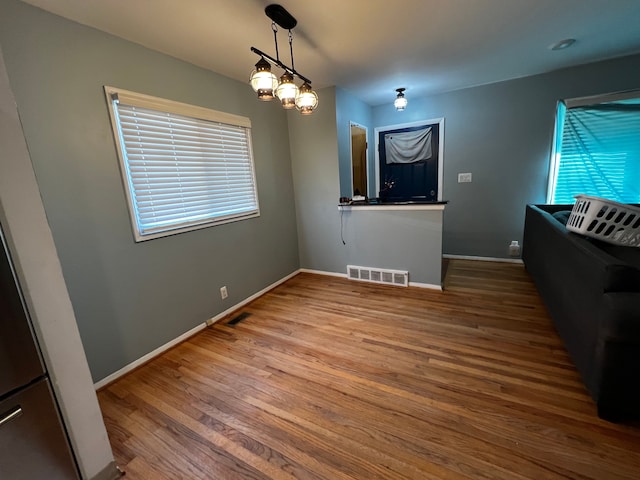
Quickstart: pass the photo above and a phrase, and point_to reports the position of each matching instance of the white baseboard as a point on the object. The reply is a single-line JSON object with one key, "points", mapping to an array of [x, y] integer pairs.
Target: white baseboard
{"points": [[483, 259], [149, 356], [429, 286], [323, 272], [250, 299], [163, 348], [344, 275]]}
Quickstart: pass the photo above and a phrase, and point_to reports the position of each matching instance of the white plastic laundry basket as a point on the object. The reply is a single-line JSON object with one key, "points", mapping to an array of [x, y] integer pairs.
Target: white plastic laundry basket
{"points": [[606, 220]]}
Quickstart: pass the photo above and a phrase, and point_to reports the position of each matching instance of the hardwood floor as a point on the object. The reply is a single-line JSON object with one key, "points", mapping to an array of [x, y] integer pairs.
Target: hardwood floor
{"points": [[333, 379]]}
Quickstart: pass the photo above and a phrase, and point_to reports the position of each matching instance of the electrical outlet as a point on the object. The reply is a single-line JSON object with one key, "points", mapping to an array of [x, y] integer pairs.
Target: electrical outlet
{"points": [[223, 292], [464, 178], [514, 249]]}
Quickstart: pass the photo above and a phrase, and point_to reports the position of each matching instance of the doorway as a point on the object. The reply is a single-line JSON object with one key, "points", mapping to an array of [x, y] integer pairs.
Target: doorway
{"points": [[409, 161], [359, 170]]}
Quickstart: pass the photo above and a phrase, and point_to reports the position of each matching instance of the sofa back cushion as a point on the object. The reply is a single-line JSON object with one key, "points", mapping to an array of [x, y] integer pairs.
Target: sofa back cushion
{"points": [[621, 278], [618, 267], [630, 255], [562, 216]]}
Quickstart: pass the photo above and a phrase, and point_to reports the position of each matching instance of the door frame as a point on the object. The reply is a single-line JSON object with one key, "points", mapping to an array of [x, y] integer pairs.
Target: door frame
{"points": [[440, 122], [367, 169]]}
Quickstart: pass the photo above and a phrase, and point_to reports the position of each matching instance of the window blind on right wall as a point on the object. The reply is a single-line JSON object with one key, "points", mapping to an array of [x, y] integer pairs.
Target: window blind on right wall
{"points": [[599, 152]]}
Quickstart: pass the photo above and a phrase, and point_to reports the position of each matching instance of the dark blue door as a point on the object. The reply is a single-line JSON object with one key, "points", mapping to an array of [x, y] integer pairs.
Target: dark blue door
{"points": [[409, 181]]}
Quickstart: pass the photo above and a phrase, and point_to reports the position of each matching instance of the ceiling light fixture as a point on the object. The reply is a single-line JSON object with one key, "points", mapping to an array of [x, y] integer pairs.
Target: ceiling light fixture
{"points": [[263, 81], [562, 44], [266, 84], [400, 102], [287, 91], [307, 99]]}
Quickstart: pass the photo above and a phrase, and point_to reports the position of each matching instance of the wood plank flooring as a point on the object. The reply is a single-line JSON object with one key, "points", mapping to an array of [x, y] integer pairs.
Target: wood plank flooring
{"points": [[333, 379]]}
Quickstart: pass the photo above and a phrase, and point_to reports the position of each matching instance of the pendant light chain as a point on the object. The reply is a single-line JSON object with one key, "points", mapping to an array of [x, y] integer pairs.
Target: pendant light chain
{"points": [[293, 67], [274, 27]]}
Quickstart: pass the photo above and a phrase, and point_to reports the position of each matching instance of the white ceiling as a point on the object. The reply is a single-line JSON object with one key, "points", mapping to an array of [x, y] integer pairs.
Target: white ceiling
{"points": [[372, 47]]}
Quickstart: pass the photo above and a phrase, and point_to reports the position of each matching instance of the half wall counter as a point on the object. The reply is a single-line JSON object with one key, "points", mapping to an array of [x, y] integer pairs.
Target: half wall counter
{"points": [[394, 237]]}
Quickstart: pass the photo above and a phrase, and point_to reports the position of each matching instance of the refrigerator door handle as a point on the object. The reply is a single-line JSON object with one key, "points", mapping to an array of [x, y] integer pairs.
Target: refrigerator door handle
{"points": [[12, 414]]}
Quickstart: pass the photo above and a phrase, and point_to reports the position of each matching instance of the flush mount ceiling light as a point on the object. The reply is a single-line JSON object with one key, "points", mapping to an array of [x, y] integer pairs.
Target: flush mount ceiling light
{"points": [[267, 85], [562, 44], [400, 102]]}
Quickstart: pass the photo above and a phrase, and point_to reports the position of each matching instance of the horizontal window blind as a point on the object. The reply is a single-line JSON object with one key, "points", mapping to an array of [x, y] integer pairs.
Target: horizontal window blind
{"points": [[599, 152], [183, 172]]}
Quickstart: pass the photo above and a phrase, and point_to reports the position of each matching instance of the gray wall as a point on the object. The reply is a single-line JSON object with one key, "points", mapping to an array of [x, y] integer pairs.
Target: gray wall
{"points": [[350, 109], [132, 298], [502, 134], [397, 240], [37, 266], [314, 159]]}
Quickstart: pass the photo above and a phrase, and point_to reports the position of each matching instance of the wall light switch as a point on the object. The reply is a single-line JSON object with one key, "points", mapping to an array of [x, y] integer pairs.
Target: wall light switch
{"points": [[464, 178]]}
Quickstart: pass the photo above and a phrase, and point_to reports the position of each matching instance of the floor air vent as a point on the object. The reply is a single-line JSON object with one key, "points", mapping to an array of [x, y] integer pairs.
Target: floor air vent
{"points": [[238, 318], [378, 275]]}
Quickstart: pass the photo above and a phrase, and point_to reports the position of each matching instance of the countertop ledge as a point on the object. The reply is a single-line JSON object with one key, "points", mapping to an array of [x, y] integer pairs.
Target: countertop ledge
{"points": [[393, 206]]}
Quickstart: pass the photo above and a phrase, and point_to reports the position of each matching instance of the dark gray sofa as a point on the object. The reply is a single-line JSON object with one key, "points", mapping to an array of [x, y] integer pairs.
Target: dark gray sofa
{"points": [[592, 292]]}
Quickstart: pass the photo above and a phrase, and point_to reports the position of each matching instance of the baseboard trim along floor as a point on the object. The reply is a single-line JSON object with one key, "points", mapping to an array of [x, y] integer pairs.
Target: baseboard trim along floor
{"points": [[163, 348], [430, 286], [483, 259]]}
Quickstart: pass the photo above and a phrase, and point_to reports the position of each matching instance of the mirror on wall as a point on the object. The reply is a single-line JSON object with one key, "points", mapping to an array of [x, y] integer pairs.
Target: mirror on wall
{"points": [[359, 174]]}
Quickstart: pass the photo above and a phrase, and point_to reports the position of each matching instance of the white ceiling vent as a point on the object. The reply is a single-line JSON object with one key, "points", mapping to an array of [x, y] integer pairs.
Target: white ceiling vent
{"points": [[378, 275]]}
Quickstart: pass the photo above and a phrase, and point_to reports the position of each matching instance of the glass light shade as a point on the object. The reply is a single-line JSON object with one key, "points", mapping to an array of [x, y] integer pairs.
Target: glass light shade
{"points": [[287, 91], [307, 99], [400, 102], [263, 81]]}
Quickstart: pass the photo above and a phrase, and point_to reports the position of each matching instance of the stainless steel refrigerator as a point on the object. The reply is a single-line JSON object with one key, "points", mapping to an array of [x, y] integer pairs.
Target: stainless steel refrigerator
{"points": [[33, 442]]}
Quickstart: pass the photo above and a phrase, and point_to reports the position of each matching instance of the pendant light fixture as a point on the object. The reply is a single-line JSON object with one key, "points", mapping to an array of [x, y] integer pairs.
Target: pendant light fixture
{"points": [[287, 91], [400, 102], [267, 85], [263, 81], [307, 99]]}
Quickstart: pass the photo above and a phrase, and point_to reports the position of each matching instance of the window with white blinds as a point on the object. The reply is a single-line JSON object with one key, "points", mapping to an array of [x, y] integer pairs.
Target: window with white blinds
{"points": [[184, 167], [597, 150]]}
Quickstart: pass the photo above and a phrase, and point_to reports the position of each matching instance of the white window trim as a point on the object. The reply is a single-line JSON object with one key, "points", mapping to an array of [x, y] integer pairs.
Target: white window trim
{"points": [[553, 158], [603, 98], [178, 108]]}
